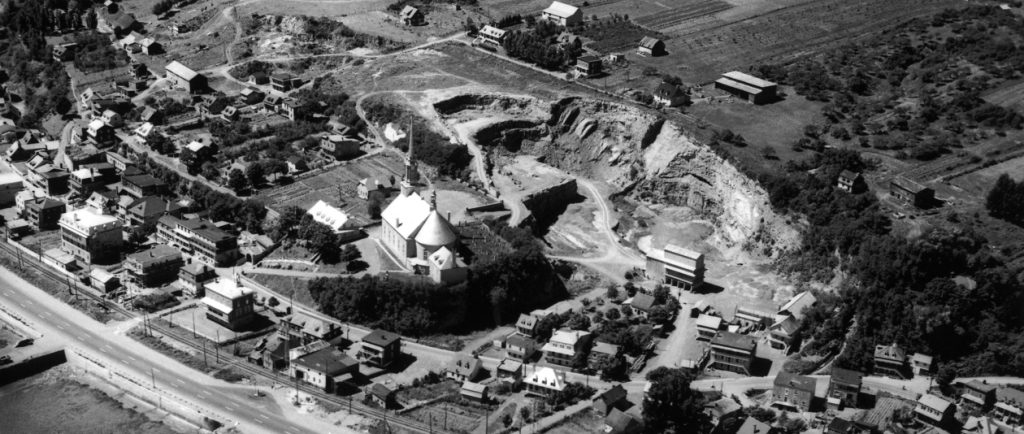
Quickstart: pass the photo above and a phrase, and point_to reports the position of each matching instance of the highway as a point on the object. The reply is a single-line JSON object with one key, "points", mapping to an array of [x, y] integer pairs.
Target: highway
{"points": [[54, 319]]}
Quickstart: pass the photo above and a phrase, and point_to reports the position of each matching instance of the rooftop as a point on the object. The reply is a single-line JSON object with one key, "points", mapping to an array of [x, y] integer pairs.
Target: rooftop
{"points": [[846, 376], [227, 287], [643, 302], [799, 382], [381, 338], [561, 10], [748, 79], [328, 360], [177, 68], [734, 340], [85, 219], [159, 253], [934, 402]]}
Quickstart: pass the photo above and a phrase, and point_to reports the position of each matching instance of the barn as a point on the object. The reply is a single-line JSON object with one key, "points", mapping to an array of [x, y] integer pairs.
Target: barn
{"points": [[185, 77], [651, 47], [748, 87]]}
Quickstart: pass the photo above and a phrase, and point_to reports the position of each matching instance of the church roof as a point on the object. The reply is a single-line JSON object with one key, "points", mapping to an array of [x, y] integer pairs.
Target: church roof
{"points": [[436, 231], [406, 214]]}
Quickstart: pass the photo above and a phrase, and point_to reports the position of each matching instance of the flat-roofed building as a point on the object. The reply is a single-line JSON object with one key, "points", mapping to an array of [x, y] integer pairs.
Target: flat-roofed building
{"points": [[152, 267], [90, 236], [844, 386], [733, 352], [676, 266], [748, 87], [708, 326], [921, 364], [380, 349], [228, 303], [588, 66], [139, 186], [492, 35], [563, 14]]}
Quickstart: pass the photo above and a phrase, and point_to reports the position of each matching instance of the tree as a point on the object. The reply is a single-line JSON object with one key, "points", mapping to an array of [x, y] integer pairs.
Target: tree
{"points": [[90, 19], [236, 181], [255, 175], [524, 413], [612, 314], [671, 406], [273, 302], [470, 27], [1006, 200], [162, 7], [579, 321], [612, 293], [190, 160]]}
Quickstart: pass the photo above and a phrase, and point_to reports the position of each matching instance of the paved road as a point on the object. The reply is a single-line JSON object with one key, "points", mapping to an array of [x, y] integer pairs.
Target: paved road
{"points": [[56, 320]]}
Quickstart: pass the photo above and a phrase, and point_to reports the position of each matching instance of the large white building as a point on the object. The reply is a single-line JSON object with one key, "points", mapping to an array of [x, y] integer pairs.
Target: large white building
{"points": [[676, 266], [90, 236], [563, 14], [228, 303], [413, 229]]}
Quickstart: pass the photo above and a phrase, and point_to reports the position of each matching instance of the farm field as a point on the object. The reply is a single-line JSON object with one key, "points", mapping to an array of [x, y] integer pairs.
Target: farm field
{"points": [[1010, 96], [337, 186], [700, 49]]}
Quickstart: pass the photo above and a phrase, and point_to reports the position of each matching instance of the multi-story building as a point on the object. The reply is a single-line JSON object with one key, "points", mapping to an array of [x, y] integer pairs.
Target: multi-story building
{"points": [[465, 368], [793, 391], [676, 266], [544, 381], [890, 360], [708, 326], [733, 352], [851, 182], [977, 396], [90, 236], [844, 387], [380, 349], [520, 347], [563, 14], [564, 346], [934, 410], [207, 242], [152, 267], [148, 210], [921, 364], [526, 325], [228, 303], [139, 186], [44, 213], [193, 277]]}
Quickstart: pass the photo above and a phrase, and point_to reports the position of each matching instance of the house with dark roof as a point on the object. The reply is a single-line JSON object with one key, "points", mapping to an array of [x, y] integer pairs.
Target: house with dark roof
{"points": [[380, 349], [259, 77], [519, 347], [733, 352], [380, 395], [650, 47], [642, 304], [308, 329], [844, 387], [186, 78], [911, 192], [44, 213], [139, 186], [569, 40], [619, 422], [793, 391], [149, 209], [587, 66], [977, 396], [670, 95], [839, 425], [601, 353], [526, 325], [274, 355], [152, 267], [282, 81], [411, 16], [611, 399], [203, 239], [193, 276], [720, 409]]}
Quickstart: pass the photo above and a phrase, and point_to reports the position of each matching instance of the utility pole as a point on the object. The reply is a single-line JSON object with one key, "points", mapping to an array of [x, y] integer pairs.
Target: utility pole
{"points": [[193, 323], [21, 264], [216, 346], [204, 354], [153, 377]]}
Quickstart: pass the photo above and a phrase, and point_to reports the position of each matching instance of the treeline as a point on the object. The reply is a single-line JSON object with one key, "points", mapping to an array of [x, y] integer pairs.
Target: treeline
{"points": [[942, 294], [1006, 200], [401, 4], [498, 289], [539, 45], [944, 63], [430, 147]]}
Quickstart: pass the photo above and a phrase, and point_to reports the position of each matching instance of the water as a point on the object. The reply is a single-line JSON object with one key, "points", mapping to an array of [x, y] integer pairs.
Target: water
{"points": [[52, 402]]}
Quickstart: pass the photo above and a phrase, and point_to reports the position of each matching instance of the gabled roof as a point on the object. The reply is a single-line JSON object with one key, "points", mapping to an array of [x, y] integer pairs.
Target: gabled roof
{"points": [[753, 426], [328, 215], [934, 402], [561, 10], [329, 360], [848, 174], [492, 32], [605, 348], [177, 68], [734, 340], [798, 303], [409, 12], [520, 341], [380, 391], [667, 91], [620, 422], [709, 321], [406, 213], [748, 79], [612, 396], [643, 302], [526, 321], [443, 259], [722, 406]]}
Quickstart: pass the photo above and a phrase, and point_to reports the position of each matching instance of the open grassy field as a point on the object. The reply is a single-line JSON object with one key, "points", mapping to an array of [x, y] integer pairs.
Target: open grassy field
{"points": [[313, 8], [441, 20], [776, 125], [1010, 95]]}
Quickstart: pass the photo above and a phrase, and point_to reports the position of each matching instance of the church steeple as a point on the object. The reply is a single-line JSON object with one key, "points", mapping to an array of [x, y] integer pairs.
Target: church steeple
{"points": [[412, 174]]}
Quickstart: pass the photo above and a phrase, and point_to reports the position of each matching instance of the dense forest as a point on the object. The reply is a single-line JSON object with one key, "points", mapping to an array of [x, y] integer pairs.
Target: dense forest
{"points": [[1006, 200], [498, 289], [944, 293], [916, 89]]}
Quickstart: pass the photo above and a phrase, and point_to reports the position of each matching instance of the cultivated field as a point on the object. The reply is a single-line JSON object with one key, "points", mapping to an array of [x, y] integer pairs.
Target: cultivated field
{"points": [[337, 186], [1010, 96]]}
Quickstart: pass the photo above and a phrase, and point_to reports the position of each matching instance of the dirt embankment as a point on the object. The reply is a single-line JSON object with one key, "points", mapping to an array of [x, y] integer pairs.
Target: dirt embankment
{"points": [[649, 160]]}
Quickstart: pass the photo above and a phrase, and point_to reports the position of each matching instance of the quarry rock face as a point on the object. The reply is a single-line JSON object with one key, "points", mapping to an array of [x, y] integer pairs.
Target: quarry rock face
{"points": [[637, 151]]}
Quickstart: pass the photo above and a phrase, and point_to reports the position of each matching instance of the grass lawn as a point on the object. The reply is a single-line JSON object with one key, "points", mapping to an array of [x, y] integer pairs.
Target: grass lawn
{"points": [[286, 286]]}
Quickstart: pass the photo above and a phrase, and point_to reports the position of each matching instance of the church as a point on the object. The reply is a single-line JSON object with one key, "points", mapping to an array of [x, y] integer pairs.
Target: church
{"points": [[418, 235]]}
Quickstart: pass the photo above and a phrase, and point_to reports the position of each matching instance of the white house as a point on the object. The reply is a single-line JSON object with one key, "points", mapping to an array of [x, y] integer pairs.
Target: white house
{"points": [[563, 14]]}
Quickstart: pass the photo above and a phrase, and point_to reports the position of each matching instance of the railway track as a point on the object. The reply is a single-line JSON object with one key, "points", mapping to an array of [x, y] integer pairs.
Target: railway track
{"points": [[355, 406]]}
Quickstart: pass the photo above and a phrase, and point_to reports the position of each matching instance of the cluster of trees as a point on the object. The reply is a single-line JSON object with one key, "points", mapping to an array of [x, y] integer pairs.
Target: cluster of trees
{"points": [[161, 144], [295, 223], [864, 84], [539, 45], [338, 104], [248, 214], [671, 406], [898, 289], [255, 174], [498, 289], [430, 147], [163, 6], [327, 29], [1006, 200]]}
